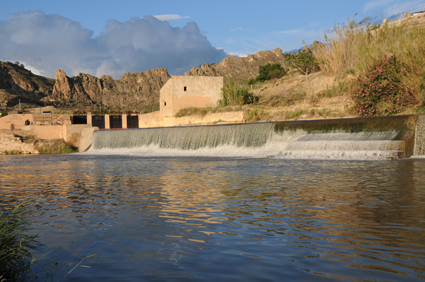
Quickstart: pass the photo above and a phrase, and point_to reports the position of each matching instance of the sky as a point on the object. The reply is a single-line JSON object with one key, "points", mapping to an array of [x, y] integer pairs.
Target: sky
{"points": [[111, 37]]}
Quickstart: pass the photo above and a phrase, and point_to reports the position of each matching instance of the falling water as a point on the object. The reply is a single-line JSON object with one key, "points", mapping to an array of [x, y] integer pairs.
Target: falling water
{"points": [[253, 140]]}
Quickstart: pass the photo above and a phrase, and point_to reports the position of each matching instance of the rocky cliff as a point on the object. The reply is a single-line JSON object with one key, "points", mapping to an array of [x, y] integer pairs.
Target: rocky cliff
{"points": [[138, 91], [18, 83], [240, 68]]}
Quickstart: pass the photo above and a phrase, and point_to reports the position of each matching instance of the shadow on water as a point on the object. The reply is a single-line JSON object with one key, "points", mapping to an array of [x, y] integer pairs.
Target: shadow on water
{"points": [[222, 218]]}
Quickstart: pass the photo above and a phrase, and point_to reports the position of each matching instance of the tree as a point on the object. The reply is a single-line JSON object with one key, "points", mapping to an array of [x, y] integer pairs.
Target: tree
{"points": [[269, 71]]}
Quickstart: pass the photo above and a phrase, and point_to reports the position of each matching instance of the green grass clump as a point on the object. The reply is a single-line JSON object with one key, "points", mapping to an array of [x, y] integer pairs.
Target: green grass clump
{"points": [[233, 94], [54, 146], [340, 89], [15, 245]]}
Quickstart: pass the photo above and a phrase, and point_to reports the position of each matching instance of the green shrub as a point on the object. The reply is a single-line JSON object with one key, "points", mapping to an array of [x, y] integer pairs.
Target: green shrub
{"points": [[304, 61], [252, 81], [3, 113], [15, 245], [233, 94], [269, 71], [381, 90]]}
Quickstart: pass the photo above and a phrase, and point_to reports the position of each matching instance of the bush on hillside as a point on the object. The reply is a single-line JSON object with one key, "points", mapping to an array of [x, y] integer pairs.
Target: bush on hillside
{"points": [[381, 90], [354, 48], [304, 61], [267, 72], [233, 94]]}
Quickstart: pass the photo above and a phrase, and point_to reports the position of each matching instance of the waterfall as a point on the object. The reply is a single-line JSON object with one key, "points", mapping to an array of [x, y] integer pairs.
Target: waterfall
{"points": [[324, 139]]}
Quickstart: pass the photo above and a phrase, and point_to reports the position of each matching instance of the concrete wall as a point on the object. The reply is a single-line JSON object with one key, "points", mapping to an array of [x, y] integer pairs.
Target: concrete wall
{"points": [[79, 135], [419, 147], [155, 119], [72, 133], [86, 138], [17, 121], [189, 91], [214, 118]]}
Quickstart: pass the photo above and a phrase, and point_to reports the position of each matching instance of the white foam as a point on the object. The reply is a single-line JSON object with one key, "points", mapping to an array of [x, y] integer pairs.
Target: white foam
{"points": [[250, 141]]}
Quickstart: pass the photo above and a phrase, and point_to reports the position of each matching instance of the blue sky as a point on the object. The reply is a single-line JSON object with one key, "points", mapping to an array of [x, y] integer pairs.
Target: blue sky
{"points": [[114, 37]]}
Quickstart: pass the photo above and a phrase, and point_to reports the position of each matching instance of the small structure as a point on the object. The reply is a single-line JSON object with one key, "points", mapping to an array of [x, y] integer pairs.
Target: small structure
{"points": [[189, 91]]}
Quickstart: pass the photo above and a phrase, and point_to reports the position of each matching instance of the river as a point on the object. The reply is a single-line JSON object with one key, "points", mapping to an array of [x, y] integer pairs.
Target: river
{"points": [[221, 219]]}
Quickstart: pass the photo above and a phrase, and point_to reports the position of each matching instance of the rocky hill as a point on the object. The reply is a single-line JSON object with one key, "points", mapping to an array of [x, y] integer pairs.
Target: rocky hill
{"points": [[18, 83], [240, 68], [131, 92]]}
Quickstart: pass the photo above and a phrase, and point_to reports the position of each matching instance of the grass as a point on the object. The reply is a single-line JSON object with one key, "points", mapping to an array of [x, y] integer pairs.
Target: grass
{"points": [[252, 115], [55, 146], [191, 111], [340, 89], [15, 245], [294, 115]]}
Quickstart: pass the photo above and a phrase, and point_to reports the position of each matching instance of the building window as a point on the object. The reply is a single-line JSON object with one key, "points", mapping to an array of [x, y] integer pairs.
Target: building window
{"points": [[165, 103], [185, 88]]}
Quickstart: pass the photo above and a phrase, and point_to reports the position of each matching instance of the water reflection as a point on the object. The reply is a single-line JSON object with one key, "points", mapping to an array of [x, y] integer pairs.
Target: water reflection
{"points": [[230, 219]]}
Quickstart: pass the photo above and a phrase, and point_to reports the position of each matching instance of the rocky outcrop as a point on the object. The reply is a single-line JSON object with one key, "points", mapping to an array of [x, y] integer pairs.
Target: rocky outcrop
{"points": [[18, 83], [240, 68], [10, 144], [137, 91]]}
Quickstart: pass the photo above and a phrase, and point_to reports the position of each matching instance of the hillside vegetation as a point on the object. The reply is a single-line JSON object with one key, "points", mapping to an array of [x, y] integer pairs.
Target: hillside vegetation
{"points": [[359, 70]]}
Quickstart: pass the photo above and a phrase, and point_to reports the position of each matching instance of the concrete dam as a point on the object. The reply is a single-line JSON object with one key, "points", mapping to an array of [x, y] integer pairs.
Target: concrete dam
{"points": [[378, 138]]}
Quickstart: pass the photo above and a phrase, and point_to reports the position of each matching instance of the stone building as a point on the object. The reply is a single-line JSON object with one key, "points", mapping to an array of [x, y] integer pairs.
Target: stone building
{"points": [[189, 91]]}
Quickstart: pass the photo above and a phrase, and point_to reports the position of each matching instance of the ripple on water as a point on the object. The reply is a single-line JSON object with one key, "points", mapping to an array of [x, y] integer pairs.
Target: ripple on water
{"points": [[217, 218]]}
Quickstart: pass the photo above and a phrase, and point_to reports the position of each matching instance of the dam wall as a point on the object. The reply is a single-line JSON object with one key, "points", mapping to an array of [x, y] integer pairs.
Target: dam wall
{"points": [[355, 138]]}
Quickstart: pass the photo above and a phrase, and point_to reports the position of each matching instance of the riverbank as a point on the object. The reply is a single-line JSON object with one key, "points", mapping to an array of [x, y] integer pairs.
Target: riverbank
{"points": [[17, 143]]}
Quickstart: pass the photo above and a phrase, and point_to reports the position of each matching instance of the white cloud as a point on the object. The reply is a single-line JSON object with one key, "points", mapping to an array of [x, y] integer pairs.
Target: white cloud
{"points": [[50, 42], [170, 17], [240, 29], [394, 7], [404, 7], [237, 54], [372, 5]]}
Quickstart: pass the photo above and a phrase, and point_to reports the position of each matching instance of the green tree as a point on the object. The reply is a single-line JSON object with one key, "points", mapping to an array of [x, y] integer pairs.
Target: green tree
{"points": [[303, 61], [269, 71]]}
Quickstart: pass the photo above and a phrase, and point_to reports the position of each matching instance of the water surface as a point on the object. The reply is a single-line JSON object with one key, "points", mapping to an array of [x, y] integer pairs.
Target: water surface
{"points": [[229, 219]]}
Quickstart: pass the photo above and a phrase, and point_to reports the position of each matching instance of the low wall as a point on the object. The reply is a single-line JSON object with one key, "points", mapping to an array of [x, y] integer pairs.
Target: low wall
{"points": [[155, 119], [419, 147], [79, 135], [213, 118], [17, 121], [44, 131], [72, 133], [86, 138]]}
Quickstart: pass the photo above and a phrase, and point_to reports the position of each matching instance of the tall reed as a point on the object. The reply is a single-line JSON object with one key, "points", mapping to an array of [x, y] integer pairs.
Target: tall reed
{"points": [[354, 48], [15, 245]]}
